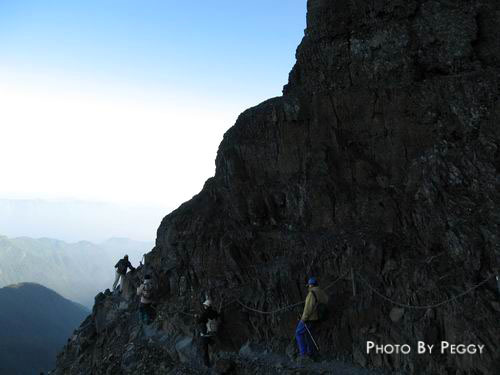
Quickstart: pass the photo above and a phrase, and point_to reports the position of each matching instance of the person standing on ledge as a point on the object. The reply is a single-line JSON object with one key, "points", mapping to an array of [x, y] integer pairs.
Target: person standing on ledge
{"points": [[209, 321], [121, 271], [146, 292], [309, 319]]}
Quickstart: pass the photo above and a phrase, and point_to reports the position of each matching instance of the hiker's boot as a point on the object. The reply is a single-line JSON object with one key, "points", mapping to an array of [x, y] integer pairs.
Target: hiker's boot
{"points": [[304, 360], [316, 357]]}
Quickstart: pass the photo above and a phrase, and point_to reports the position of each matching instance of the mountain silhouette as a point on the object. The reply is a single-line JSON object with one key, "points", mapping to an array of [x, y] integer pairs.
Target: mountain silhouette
{"points": [[35, 322]]}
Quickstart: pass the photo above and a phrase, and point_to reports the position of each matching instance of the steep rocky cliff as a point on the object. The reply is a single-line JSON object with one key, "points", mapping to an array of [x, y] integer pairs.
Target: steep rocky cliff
{"points": [[377, 171]]}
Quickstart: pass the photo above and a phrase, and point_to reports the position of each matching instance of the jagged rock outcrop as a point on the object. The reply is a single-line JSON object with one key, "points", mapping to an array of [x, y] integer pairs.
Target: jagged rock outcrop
{"points": [[381, 157]]}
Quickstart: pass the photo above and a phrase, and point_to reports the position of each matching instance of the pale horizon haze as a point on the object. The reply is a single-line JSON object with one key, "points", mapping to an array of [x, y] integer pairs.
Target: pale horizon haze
{"points": [[126, 102]]}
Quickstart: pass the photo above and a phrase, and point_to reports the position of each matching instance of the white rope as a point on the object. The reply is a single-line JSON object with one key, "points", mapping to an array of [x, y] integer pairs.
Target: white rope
{"points": [[289, 306], [376, 292], [423, 306]]}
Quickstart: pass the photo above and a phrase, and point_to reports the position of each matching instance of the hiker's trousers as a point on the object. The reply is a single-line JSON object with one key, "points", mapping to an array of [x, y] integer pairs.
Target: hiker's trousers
{"points": [[206, 342], [118, 277], [304, 342]]}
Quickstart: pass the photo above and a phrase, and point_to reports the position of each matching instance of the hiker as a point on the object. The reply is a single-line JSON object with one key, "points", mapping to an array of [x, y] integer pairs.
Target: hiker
{"points": [[145, 290], [209, 321], [121, 271], [309, 319]]}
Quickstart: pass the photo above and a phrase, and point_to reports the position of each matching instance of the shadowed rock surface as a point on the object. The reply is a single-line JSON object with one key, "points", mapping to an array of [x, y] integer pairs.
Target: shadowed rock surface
{"points": [[381, 157]]}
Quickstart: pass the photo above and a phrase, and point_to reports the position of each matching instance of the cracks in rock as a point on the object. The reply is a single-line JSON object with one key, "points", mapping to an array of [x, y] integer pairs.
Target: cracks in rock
{"points": [[476, 42], [350, 60]]}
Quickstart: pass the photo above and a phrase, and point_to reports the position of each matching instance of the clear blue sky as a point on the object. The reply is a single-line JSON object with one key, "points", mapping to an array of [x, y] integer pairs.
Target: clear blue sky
{"points": [[241, 47], [127, 101]]}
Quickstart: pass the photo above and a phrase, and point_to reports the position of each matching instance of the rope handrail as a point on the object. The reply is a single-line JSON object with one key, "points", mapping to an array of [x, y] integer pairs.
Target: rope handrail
{"points": [[281, 309], [423, 306], [269, 312], [376, 292], [289, 306]]}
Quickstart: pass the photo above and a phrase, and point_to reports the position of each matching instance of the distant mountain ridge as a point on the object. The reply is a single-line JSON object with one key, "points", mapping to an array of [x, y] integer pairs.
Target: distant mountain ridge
{"points": [[74, 220], [35, 322], [77, 271]]}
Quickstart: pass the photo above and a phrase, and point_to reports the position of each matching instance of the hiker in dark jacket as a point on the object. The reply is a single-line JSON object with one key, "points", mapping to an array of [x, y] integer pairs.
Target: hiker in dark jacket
{"points": [[209, 321], [145, 291], [121, 271]]}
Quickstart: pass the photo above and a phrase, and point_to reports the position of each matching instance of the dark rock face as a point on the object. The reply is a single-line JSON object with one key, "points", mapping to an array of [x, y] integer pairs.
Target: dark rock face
{"points": [[382, 157]]}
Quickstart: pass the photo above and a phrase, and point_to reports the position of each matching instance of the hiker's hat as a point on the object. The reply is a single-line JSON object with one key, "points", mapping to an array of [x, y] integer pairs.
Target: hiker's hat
{"points": [[312, 281]]}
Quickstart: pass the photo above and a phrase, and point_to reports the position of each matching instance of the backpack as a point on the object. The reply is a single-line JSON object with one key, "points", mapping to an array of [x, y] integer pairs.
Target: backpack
{"points": [[212, 326], [321, 309]]}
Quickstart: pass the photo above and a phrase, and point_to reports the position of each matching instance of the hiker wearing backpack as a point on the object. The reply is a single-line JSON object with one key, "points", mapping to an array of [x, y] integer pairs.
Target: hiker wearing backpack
{"points": [[145, 291], [209, 321], [314, 312], [121, 270]]}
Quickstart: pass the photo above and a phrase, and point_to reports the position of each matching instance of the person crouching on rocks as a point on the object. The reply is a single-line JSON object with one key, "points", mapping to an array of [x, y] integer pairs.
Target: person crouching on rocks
{"points": [[209, 321], [145, 291], [306, 327], [121, 270]]}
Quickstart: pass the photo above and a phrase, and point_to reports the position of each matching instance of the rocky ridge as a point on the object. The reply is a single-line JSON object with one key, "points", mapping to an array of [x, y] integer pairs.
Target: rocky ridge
{"points": [[377, 171]]}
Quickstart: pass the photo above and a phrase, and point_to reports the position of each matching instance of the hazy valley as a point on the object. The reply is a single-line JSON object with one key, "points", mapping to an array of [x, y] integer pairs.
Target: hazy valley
{"points": [[77, 271]]}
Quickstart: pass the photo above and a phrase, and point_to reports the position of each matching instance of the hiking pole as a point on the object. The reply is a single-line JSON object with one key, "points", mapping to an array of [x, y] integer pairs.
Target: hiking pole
{"points": [[312, 338]]}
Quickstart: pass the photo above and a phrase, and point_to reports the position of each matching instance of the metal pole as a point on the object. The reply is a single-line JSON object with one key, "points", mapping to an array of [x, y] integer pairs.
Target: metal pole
{"points": [[312, 338]]}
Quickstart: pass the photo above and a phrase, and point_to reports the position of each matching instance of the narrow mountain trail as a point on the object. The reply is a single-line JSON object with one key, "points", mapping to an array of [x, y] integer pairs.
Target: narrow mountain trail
{"points": [[254, 361]]}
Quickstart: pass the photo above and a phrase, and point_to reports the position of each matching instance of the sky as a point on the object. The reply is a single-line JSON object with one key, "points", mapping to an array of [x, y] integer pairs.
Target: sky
{"points": [[126, 101]]}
